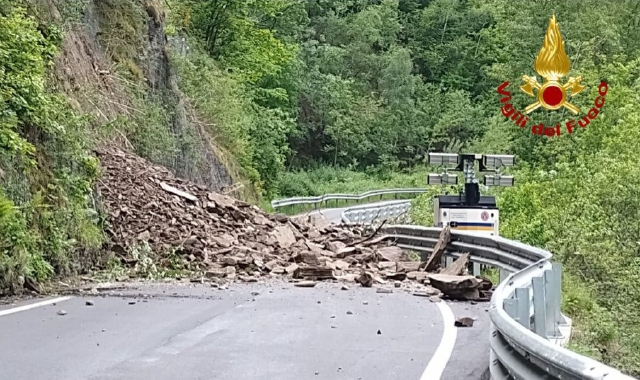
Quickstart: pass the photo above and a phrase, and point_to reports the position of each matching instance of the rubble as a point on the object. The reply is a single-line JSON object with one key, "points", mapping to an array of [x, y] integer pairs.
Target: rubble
{"points": [[221, 239]]}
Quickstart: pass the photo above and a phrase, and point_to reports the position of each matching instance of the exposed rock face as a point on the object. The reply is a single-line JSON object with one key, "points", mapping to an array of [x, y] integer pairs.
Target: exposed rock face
{"points": [[85, 72]]}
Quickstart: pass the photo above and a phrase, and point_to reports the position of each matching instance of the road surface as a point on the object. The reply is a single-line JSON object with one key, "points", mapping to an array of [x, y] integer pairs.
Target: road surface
{"points": [[250, 331], [247, 332]]}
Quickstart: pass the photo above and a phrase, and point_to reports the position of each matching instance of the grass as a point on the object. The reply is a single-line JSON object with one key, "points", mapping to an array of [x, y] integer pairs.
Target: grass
{"points": [[330, 180]]}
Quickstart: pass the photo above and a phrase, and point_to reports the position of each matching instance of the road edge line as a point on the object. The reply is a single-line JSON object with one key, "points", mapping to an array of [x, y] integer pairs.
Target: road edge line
{"points": [[33, 305], [441, 357]]}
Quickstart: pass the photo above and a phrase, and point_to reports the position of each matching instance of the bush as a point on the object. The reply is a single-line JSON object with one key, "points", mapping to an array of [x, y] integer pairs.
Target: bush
{"points": [[47, 172]]}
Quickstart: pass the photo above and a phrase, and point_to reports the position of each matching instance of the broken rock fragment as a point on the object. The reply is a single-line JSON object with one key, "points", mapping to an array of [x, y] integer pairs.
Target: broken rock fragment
{"points": [[418, 276], [393, 254], [365, 279], [318, 273], [216, 272], [291, 268], [284, 235], [305, 284], [456, 287], [464, 322]]}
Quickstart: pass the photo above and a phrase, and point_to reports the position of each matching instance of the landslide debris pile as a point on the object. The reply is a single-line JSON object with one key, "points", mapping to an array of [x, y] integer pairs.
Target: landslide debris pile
{"points": [[227, 239]]}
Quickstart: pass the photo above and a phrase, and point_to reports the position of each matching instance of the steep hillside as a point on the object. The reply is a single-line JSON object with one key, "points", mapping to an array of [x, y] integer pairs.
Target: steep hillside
{"points": [[114, 64], [84, 74]]}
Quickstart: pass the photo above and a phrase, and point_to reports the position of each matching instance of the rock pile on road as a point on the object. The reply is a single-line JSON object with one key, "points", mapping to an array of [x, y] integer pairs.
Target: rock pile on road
{"points": [[225, 239]]}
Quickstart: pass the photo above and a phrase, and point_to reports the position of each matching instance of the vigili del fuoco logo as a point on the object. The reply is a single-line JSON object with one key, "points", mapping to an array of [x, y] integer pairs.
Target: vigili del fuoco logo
{"points": [[552, 64]]}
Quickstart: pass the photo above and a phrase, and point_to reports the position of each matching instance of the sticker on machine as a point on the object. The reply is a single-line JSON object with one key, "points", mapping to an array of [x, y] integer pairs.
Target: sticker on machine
{"points": [[459, 215], [484, 216]]}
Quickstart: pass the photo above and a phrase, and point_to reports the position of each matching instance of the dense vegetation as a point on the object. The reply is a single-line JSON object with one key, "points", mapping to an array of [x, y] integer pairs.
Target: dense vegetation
{"points": [[304, 97], [374, 85], [46, 172]]}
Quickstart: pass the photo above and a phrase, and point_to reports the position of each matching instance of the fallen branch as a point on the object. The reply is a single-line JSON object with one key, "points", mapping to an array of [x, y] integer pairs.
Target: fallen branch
{"points": [[372, 235]]}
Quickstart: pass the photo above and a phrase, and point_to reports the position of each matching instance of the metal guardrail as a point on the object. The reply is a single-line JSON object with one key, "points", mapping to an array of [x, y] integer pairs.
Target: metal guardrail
{"points": [[369, 213], [345, 197], [528, 331]]}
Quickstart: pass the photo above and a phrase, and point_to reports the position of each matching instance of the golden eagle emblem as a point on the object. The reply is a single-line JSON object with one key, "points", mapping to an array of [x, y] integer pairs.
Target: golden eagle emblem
{"points": [[552, 63]]}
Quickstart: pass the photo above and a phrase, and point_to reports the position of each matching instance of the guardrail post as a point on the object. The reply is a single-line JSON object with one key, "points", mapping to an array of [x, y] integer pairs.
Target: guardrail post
{"points": [[511, 307], [557, 291], [503, 275], [552, 304], [523, 307], [449, 261], [476, 269], [539, 305]]}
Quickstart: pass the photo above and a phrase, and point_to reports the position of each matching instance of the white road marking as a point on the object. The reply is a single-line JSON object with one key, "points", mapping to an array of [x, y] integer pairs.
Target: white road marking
{"points": [[439, 361], [33, 305]]}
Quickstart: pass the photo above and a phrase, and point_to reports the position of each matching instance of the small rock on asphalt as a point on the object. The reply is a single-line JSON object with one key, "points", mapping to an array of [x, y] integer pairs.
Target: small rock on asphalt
{"points": [[464, 322], [344, 287], [255, 293], [379, 332], [132, 302], [62, 312], [349, 312], [334, 326], [365, 303], [305, 284], [89, 303]]}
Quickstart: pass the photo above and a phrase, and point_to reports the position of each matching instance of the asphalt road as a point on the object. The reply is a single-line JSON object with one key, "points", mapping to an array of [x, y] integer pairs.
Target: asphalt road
{"points": [[250, 331], [278, 332]]}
